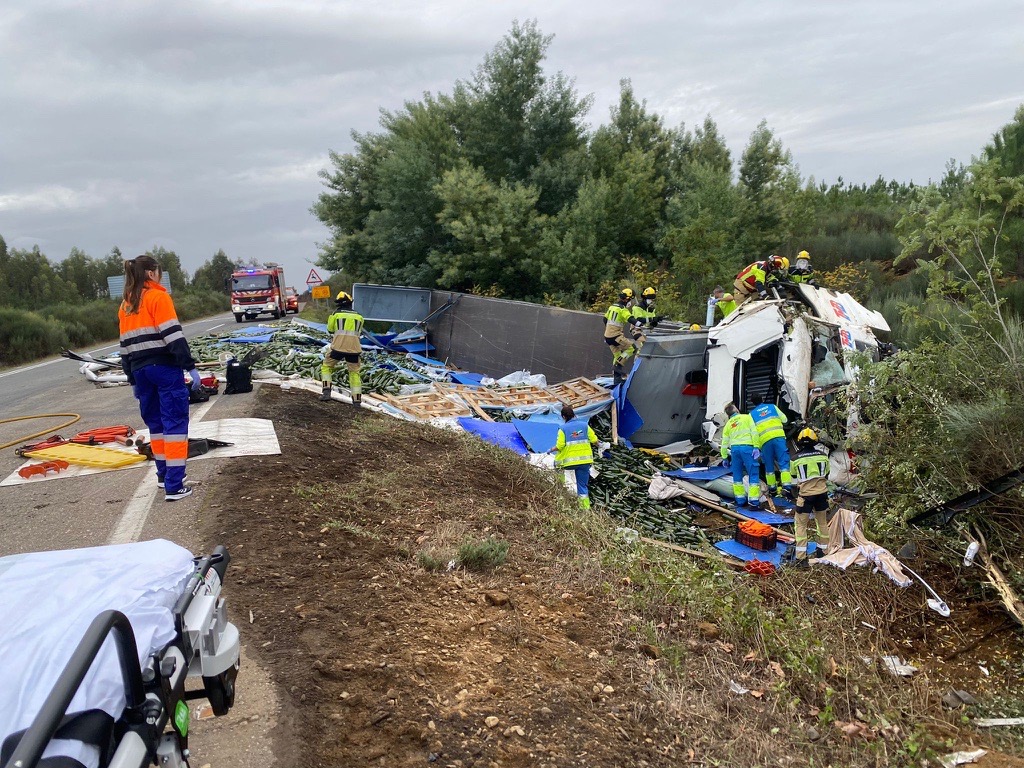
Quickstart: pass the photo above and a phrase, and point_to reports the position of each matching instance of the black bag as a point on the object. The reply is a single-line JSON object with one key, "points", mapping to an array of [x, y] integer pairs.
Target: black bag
{"points": [[239, 378]]}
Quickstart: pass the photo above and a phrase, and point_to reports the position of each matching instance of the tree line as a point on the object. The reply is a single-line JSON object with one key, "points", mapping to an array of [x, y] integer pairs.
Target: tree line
{"points": [[500, 188]]}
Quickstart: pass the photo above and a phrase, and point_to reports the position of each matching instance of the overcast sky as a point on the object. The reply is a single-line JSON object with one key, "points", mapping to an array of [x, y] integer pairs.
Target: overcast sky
{"points": [[201, 124]]}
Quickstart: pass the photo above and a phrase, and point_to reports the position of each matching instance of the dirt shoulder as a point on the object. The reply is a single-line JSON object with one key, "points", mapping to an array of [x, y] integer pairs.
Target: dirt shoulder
{"points": [[569, 653]]}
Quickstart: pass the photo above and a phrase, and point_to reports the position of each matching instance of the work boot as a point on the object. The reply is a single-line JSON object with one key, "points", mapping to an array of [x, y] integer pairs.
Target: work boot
{"points": [[584, 502], [357, 399], [325, 396]]}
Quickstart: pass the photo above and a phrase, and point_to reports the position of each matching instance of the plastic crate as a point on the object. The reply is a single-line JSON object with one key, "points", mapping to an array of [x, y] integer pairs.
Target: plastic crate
{"points": [[761, 543]]}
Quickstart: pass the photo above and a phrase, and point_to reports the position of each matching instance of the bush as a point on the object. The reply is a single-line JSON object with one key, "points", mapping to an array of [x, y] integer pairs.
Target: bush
{"points": [[482, 555], [85, 323], [28, 335], [193, 304]]}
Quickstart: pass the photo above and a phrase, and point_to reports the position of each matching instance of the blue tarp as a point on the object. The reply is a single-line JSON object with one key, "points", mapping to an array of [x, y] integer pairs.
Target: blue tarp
{"points": [[318, 326], [418, 346], [504, 435], [629, 421], [426, 360], [540, 435], [468, 379], [254, 330], [746, 554], [764, 516], [699, 473], [251, 339]]}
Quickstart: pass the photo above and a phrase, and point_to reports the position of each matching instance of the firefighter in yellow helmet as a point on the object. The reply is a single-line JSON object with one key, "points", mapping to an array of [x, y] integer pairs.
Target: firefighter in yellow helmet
{"points": [[810, 470], [802, 271], [755, 279], [347, 327], [617, 320]]}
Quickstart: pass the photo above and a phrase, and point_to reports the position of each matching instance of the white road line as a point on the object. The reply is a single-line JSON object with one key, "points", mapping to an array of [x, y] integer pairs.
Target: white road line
{"points": [[27, 368], [133, 519]]}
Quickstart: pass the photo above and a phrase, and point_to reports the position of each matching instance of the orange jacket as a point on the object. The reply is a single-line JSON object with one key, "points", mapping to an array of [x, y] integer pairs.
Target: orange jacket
{"points": [[152, 335]]}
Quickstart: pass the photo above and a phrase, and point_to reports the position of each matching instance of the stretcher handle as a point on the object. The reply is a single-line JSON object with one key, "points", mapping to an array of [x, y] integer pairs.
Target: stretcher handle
{"points": [[47, 721], [218, 560]]}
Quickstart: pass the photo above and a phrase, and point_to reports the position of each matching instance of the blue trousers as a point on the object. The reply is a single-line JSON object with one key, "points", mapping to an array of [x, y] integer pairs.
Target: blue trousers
{"points": [[163, 402], [744, 463], [582, 472], [775, 455]]}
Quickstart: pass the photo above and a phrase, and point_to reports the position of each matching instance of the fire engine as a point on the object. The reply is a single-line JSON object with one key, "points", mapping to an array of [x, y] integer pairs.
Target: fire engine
{"points": [[256, 291]]}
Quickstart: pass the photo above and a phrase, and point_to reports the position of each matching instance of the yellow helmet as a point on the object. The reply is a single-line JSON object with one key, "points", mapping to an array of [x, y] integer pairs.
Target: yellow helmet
{"points": [[804, 255], [695, 327], [649, 293], [626, 294], [781, 262], [342, 296], [807, 434]]}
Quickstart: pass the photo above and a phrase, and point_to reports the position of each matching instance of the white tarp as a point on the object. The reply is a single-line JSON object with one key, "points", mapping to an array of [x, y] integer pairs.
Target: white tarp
{"points": [[49, 599], [251, 437]]}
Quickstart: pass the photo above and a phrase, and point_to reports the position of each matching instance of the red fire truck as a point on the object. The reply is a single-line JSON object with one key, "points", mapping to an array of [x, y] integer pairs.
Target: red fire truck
{"points": [[256, 291]]}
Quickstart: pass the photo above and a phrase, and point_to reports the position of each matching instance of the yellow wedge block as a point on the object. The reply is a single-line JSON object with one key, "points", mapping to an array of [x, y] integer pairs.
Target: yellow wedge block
{"points": [[88, 455]]}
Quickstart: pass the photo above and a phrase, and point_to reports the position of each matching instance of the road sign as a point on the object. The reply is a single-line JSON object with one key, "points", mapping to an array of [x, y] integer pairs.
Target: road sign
{"points": [[314, 278], [322, 292]]}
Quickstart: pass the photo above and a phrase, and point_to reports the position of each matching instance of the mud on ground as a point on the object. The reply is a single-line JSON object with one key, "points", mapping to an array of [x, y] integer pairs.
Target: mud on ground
{"points": [[385, 656]]}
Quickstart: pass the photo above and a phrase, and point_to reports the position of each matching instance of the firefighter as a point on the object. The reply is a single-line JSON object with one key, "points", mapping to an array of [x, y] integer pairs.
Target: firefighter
{"points": [[573, 451], [726, 306], [757, 278], [812, 467], [802, 271], [769, 421], [347, 327], [740, 445], [644, 316], [617, 319], [154, 353]]}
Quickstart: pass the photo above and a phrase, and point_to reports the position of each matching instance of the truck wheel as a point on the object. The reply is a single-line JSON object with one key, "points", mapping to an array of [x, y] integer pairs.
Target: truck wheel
{"points": [[238, 317], [278, 314]]}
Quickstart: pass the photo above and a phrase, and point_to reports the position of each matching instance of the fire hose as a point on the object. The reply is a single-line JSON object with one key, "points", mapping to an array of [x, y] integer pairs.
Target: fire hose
{"points": [[41, 432]]}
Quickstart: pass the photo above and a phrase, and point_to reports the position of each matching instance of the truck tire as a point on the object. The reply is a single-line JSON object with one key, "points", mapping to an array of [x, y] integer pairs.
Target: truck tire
{"points": [[238, 317], [277, 314]]}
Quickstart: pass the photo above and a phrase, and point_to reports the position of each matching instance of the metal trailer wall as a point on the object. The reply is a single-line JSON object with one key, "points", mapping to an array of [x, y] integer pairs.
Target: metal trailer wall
{"points": [[656, 388], [496, 337]]}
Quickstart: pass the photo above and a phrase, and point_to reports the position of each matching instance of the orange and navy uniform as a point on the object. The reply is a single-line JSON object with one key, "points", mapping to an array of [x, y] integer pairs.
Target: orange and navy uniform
{"points": [[154, 355]]}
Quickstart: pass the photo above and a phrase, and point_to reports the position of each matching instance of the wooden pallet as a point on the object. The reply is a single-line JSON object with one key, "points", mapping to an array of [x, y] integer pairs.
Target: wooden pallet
{"points": [[428, 405], [579, 392]]}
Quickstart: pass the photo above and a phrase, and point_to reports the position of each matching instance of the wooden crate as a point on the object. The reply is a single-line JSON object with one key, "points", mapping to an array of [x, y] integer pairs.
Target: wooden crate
{"points": [[579, 392], [428, 405]]}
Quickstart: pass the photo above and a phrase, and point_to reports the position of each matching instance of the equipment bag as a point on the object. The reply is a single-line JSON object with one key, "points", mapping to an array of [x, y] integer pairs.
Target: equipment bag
{"points": [[239, 378]]}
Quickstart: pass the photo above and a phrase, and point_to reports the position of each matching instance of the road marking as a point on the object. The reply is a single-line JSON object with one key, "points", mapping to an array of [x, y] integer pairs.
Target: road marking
{"points": [[133, 519], [27, 368]]}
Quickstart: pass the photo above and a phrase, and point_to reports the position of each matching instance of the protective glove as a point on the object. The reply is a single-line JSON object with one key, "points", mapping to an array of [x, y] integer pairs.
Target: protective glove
{"points": [[196, 381], [757, 454]]}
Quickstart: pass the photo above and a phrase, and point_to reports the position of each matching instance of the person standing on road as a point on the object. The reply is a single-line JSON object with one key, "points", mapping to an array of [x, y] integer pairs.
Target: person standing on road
{"points": [[769, 421], [573, 451], [154, 353], [812, 467], [347, 326], [740, 444]]}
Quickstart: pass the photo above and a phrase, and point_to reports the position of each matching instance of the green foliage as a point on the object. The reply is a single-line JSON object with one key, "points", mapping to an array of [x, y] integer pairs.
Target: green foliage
{"points": [[215, 274], [482, 555], [27, 335]]}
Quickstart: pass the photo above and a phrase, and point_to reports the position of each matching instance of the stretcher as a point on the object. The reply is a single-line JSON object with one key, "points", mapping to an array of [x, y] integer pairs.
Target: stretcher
{"points": [[96, 649]]}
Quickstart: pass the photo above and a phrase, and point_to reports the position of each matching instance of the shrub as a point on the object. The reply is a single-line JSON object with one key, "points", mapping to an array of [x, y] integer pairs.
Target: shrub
{"points": [[482, 555], [28, 335]]}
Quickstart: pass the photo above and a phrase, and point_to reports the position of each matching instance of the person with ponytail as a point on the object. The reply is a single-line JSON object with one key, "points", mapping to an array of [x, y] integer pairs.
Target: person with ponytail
{"points": [[153, 355]]}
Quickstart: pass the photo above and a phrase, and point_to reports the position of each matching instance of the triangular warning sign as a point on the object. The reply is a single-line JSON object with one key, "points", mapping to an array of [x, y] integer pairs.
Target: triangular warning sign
{"points": [[313, 278]]}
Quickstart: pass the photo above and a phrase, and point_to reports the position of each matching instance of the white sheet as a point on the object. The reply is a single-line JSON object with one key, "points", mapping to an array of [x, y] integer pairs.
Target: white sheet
{"points": [[48, 600], [251, 437]]}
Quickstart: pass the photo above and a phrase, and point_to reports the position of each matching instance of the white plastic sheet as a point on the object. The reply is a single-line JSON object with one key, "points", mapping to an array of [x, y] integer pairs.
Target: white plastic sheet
{"points": [[49, 599]]}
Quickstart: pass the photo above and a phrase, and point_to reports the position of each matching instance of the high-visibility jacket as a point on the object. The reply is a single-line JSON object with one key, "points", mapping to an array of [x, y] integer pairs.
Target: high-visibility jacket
{"points": [[573, 444], [739, 430], [801, 271], [769, 420], [346, 326], [152, 334], [643, 316], [754, 275], [617, 318], [810, 470], [725, 307]]}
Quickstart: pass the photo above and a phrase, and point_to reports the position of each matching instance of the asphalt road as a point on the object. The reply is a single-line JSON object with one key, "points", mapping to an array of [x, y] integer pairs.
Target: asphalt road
{"points": [[124, 506]]}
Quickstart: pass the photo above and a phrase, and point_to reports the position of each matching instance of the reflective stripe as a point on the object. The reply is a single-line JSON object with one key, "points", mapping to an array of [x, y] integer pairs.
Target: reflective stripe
{"points": [[739, 430], [617, 316], [752, 274], [769, 421], [573, 444], [810, 464]]}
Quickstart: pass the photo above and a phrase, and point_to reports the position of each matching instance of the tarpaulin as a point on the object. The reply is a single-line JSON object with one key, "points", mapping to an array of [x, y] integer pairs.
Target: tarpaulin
{"points": [[699, 473], [629, 420], [746, 554], [255, 330], [417, 346], [538, 434], [468, 379], [426, 360], [764, 516], [251, 339], [498, 433]]}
